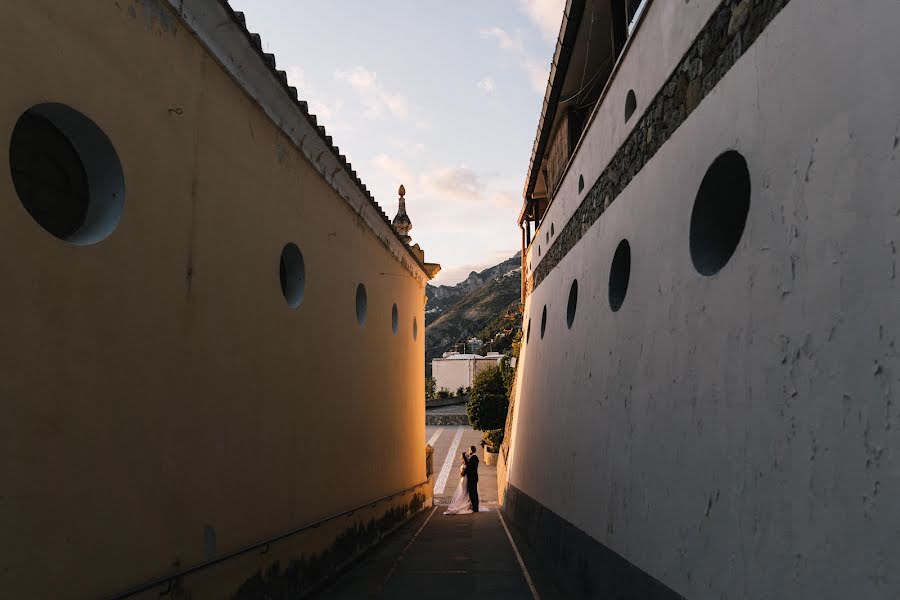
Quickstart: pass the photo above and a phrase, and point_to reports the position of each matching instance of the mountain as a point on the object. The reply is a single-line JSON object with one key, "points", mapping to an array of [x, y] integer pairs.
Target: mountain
{"points": [[442, 297], [484, 305]]}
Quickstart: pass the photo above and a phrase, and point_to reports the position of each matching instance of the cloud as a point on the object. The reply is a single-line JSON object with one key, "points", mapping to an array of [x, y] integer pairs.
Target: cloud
{"points": [[458, 182], [377, 100], [397, 169], [505, 199], [536, 70], [406, 146], [326, 112], [503, 39], [538, 75], [545, 14], [297, 78], [486, 85]]}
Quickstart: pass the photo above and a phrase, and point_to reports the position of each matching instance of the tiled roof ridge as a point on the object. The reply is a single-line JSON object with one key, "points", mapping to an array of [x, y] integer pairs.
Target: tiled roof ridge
{"points": [[256, 41], [559, 66]]}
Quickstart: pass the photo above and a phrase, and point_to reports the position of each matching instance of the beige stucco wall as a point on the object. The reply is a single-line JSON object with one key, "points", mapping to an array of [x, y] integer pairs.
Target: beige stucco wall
{"points": [[452, 374], [156, 383]]}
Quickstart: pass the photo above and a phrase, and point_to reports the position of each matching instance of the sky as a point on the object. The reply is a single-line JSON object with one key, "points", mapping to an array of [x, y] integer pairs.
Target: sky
{"points": [[442, 97]]}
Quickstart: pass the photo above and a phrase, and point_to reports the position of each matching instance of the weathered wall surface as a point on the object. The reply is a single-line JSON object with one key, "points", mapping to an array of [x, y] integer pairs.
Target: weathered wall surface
{"points": [[666, 33], [736, 436], [156, 384]]}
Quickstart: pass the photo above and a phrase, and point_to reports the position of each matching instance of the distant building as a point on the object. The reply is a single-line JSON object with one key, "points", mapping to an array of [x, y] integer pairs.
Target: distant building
{"points": [[455, 370]]}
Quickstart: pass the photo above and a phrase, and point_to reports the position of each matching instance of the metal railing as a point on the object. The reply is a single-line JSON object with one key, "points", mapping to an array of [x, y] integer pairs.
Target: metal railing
{"points": [[168, 580]]}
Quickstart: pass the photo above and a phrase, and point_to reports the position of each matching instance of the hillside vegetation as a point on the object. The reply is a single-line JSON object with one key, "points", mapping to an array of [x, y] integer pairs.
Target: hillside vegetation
{"points": [[485, 305]]}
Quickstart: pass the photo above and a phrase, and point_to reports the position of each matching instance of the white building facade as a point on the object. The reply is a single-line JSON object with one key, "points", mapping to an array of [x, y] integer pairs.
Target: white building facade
{"points": [[455, 370]]}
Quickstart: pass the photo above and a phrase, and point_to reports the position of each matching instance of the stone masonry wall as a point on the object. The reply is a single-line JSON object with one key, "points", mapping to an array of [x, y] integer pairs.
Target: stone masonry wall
{"points": [[727, 35]]}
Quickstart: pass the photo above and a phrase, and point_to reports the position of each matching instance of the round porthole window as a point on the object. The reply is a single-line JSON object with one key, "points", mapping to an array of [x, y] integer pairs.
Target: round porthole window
{"points": [[292, 274], [528, 332], [720, 213], [619, 275], [630, 104], [362, 305], [573, 304], [543, 321], [415, 329], [395, 319], [67, 174]]}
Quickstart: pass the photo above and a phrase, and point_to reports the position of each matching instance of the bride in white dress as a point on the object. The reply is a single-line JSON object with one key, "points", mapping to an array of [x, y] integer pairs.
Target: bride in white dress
{"points": [[460, 504]]}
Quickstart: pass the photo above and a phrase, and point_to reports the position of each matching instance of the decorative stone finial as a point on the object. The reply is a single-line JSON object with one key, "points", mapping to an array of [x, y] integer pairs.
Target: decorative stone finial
{"points": [[401, 222]]}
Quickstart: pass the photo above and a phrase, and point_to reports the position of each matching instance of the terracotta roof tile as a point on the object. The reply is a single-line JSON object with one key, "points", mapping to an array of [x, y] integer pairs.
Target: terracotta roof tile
{"points": [[269, 58]]}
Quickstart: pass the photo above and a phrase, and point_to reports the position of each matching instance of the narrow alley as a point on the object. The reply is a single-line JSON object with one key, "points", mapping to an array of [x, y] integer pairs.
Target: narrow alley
{"points": [[450, 556]]}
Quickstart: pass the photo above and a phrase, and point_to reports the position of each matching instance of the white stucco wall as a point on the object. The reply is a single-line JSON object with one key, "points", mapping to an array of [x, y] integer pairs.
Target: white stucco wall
{"points": [[451, 374], [666, 31], [454, 373], [737, 436]]}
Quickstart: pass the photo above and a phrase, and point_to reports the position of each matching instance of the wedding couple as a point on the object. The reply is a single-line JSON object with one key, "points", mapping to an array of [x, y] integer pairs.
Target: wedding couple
{"points": [[465, 498]]}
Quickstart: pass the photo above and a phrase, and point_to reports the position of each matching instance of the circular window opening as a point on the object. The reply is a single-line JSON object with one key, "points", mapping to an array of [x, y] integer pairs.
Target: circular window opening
{"points": [[630, 104], [66, 173], [415, 329], [395, 319], [720, 213], [362, 304], [539, 250], [573, 304], [580, 183], [543, 321], [619, 274], [552, 228], [292, 273], [528, 332], [547, 235]]}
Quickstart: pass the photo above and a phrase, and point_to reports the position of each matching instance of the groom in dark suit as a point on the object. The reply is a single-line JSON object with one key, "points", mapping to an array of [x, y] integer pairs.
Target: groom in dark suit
{"points": [[472, 478]]}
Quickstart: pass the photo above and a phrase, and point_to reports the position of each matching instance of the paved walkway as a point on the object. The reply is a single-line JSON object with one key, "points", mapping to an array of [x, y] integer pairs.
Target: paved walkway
{"points": [[439, 556], [449, 443]]}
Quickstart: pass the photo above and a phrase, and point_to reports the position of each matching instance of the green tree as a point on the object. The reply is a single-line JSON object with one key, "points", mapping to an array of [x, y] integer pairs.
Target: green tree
{"points": [[429, 388], [489, 401]]}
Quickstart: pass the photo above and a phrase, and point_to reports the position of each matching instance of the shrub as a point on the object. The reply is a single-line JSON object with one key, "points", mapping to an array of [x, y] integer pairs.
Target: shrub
{"points": [[443, 393], [488, 402], [460, 391], [493, 438], [517, 343], [429, 387]]}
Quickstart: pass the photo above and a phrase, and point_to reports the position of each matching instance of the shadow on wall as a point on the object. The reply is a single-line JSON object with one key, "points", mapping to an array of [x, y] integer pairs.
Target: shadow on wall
{"points": [[307, 574]]}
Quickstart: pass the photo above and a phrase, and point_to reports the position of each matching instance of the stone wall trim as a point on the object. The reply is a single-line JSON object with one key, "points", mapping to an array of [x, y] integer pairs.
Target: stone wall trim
{"points": [[727, 35]]}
